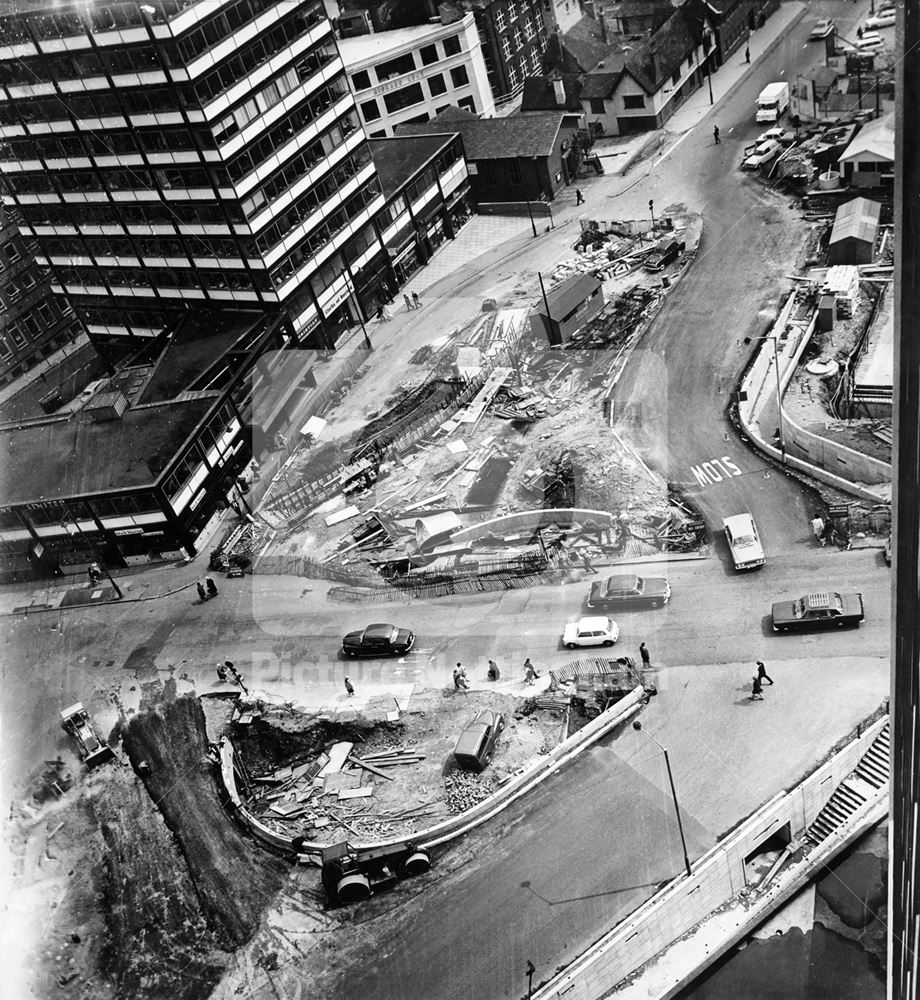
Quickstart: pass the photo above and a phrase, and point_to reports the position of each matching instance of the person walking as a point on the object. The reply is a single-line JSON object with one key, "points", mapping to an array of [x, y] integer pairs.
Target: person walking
{"points": [[460, 681], [349, 687], [416, 300], [588, 565], [644, 653], [380, 313], [579, 197], [387, 315], [715, 134], [236, 676], [756, 690], [747, 54], [407, 300], [222, 672], [529, 671], [762, 674], [211, 585], [199, 586], [494, 673]]}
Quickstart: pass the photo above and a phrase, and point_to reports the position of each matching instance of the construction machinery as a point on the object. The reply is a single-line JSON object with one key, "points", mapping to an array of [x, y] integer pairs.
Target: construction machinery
{"points": [[350, 876], [76, 721]]}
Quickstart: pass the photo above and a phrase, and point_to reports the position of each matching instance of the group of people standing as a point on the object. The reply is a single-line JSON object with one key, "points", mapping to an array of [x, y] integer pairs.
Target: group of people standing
{"points": [[386, 300]]}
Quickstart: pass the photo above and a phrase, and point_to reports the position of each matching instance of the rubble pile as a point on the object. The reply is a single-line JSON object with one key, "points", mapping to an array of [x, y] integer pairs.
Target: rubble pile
{"points": [[464, 790]]}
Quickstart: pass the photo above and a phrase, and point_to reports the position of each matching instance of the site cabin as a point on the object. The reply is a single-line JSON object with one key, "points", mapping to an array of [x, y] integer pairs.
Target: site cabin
{"points": [[350, 875], [773, 102]]}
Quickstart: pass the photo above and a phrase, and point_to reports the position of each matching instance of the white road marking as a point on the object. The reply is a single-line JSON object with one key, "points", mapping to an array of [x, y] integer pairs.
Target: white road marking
{"points": [[715, 470]]}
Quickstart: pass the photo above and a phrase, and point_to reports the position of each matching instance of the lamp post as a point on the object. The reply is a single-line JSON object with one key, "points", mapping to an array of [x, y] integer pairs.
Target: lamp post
{"points": [[637, 725], [779, 393], [651, 208], [530, 214], [93, 549]]}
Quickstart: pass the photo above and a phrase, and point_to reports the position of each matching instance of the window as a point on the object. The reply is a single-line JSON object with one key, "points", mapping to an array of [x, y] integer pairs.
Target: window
{"points": [[436, 84], [370, 111], [499, 19], [459, 77], [518, 39], [468, 103], [675, 79], [633, 101], [512, 76], [528, 29], [506, 48], [689, 60], [404, 98], [361, 79], [429, 54], [451, 46], [596, 105], [395, 67], [512, 10], [535, 61]]}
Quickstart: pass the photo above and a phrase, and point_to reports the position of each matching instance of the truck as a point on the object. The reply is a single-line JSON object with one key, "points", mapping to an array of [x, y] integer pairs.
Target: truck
{"points": [[351, 875], [772, 102], [76, 722]]}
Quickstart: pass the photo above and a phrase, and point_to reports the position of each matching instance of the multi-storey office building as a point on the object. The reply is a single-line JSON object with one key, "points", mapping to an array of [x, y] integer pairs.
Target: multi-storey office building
{"points": [[178, 153], [33, 321]]}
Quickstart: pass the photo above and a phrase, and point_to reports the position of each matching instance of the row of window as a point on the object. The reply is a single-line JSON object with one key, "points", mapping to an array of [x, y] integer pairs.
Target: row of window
{"points": [[252, 55], [502, 17], [189, 463], [180, 177], [34, 323], [272, 139], [401, 65], [56, 66], [405, 97], [157, 139], [313, 154], [530, 65], [328, 229], [279, 88], [518, 38], [109, 17], [107, 103], [153, 246], [129, 213], [103, 312], [311, 200], [166, 277]]}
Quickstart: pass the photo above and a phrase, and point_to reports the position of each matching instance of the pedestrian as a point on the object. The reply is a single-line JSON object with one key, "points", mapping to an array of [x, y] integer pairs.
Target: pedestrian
{"points": [[644, 653], [460, 681], [199, 586], [817, 526], [859, 33], [588, 565], [494, 672], [529, 671], [92, 571], [416, 300], [747, 54], [380, 313], [715, 134], [756, 690], [211, 585], [387, 315], [349, 687], [222, 672], [407, 300], [579, 197], [762, 674]]}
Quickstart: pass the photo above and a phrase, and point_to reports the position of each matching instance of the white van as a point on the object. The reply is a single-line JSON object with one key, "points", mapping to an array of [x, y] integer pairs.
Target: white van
{"points": [[743, 541]]}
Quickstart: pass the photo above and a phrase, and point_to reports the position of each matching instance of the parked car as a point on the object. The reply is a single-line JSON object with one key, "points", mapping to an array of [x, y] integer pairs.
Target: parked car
{"points": [[823, 609], [822, 29], [880, 19], [743, 541], [477, 742], [870, 42], [783, 136], [378, 640], [92, 389], [663, 254], [762, 154], [591, 632], [629, 590]]}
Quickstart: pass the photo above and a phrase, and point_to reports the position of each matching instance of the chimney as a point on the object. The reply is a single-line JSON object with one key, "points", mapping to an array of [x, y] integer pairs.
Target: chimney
{"points": [[603, 23], [559, 90]]}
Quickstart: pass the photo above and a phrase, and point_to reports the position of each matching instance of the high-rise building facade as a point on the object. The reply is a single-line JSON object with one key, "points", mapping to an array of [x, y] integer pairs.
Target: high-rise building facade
{"points": [[174, 153], [34, 322]]}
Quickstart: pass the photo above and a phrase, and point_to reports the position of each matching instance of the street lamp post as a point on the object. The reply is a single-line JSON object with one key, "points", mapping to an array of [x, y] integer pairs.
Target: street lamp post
{"points": [[530, 214], [651, 208], [779, 393], [95, 552], [637, 725]]}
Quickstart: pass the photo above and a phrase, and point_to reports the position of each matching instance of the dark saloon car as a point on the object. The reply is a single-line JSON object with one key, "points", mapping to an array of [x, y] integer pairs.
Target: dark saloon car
{"points": [[825, 609], [378, 640], [477, 742], [629, 590], [663, 254]]}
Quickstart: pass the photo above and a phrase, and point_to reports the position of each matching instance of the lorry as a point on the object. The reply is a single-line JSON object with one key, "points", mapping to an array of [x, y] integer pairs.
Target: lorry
{"points": [[772, 102], [76, 722], [351, 875]]}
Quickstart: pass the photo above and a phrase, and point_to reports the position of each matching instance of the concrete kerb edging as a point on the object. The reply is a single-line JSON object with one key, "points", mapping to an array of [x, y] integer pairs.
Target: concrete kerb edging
{"points": [[95, 604], [459, 825]]}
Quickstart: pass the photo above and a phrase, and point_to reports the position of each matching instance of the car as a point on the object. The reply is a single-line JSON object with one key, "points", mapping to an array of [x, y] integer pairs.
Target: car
{"points": [[664, 253], [92, 388], [870, 42], [476, 744], [822, 28], [761, 154], [629, 590], [590, 632], [743, 541], [783, 136], [821, 609], [378, 640], [881, 19]]}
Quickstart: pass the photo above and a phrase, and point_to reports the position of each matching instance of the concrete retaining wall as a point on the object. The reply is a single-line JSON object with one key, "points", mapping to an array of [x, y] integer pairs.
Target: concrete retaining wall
{"points": [[833, 457], [531, 520], [717, 878]]}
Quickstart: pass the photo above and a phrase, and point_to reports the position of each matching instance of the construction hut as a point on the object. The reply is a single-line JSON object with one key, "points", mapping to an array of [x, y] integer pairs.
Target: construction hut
{"points": [[855, 231], [570, 305]]}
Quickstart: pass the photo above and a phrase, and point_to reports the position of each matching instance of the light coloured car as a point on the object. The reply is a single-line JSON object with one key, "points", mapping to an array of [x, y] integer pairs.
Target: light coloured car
{"points": [[743, 541], [779, 134], [761, 155], [880, 19], [822, 28], [593, 631], [870, 42]]}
